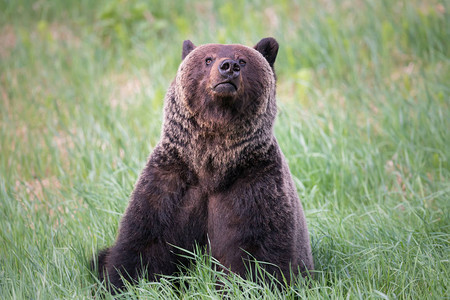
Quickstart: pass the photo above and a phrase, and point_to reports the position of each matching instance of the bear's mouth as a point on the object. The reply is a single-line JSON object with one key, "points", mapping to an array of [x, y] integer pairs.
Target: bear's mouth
{"points": [[225, 87]]}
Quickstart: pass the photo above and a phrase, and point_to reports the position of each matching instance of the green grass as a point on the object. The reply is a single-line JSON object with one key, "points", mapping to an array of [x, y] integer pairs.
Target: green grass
{"points": [[364, 120]]}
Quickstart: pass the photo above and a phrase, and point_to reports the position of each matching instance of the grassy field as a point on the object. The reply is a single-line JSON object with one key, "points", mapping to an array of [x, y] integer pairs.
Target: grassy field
{"points": [[364, 121]]}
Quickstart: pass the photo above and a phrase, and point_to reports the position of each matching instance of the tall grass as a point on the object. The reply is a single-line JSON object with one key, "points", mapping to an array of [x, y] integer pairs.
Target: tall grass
{"points": [[363, 120]]}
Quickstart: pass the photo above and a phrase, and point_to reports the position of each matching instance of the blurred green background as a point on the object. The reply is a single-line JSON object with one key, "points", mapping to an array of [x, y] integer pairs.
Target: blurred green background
{"points": [[363, 96]]}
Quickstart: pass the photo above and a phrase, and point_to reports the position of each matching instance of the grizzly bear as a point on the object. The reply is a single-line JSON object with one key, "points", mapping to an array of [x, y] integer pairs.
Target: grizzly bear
{"points": [[217, 177]]}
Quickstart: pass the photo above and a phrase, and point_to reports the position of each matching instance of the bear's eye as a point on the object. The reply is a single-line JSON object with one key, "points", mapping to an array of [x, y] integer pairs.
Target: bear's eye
{"points": [[242, 62], [208, 61]]}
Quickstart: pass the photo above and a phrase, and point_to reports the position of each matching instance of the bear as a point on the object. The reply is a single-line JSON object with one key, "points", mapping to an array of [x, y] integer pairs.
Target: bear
{"points": [[217, 177]]}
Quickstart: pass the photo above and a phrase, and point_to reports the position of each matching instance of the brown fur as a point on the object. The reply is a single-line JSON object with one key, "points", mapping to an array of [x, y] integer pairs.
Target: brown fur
{"points": [[217, 174]]}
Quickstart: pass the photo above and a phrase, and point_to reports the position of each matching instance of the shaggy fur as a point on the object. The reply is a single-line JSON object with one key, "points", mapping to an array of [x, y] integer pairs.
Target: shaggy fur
{"points": [[216, 175]]}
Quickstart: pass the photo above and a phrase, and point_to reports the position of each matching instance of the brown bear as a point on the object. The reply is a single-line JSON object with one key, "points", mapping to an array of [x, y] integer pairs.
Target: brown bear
{"points": [[217, 177]]}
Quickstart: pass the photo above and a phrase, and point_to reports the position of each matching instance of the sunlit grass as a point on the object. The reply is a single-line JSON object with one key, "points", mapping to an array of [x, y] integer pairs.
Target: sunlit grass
{"points": [[363, 121]]}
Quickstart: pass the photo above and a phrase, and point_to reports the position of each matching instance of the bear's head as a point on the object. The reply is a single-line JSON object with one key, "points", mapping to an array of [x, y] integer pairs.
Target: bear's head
{"points": [[227, 85]]}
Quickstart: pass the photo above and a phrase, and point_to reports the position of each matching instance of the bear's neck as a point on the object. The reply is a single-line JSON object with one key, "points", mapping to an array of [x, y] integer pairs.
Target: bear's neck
{"points": [[214, 154]]}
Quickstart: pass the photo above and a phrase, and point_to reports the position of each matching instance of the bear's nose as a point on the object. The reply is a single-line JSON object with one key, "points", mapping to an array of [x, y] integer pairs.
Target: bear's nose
{"points": [[229, 68]]}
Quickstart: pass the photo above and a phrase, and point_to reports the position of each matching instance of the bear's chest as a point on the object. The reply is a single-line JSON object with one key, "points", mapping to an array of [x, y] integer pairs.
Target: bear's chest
{"points": [[212, 159]]}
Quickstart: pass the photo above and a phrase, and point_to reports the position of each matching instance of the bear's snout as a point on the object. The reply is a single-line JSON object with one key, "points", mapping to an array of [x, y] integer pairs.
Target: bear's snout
{"points": [[227, 80], [229, 69]]}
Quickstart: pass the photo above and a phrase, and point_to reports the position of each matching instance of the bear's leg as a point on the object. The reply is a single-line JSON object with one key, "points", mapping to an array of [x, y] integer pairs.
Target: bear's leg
{"points": [[137, 253], [261, 218], [158, 216]]}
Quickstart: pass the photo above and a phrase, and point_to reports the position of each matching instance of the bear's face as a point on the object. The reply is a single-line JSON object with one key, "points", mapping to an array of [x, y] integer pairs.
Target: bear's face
{"points": [[223, 85]]}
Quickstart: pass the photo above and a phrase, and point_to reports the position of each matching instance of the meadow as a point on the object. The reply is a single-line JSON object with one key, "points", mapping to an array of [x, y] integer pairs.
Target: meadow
{"points": [[364, 122]]}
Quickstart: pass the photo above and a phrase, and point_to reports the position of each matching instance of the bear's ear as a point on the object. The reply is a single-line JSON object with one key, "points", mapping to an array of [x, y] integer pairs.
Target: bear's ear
{"points": [[187, 48], [268, 47]]}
